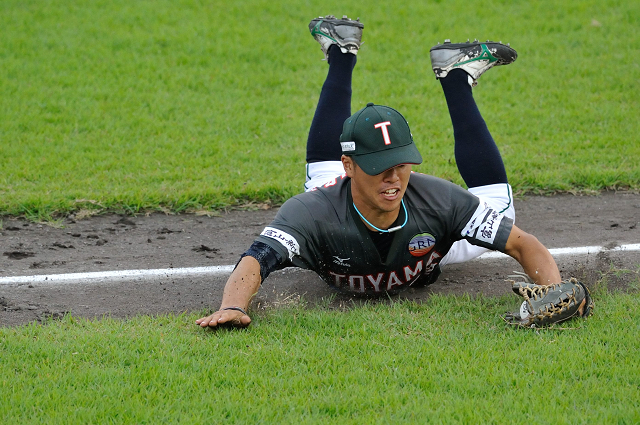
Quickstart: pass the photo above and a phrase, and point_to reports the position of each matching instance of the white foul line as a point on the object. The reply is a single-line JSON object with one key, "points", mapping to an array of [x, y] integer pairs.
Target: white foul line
{"points": [[116, 275], [128, 275], [580, 250]]}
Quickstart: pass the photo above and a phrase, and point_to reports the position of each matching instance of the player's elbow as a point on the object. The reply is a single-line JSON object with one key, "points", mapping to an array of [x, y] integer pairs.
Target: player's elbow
{"points": [[520, 243]]}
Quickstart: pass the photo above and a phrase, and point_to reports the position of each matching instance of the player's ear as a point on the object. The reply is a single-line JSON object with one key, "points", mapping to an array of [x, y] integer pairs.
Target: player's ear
{"points": [[347, 163]]}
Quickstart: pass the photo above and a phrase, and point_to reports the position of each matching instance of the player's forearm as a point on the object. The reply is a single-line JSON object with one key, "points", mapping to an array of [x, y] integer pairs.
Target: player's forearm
{"points": [[534, 257], [540, 266], [242, 285]]}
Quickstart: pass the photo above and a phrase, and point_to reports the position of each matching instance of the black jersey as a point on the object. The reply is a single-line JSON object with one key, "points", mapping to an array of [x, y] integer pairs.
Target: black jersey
{"points": [[321, 231]]}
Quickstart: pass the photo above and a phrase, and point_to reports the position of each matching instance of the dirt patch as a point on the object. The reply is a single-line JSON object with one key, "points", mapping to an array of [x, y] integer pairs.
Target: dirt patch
{"points": [[158, 241]]}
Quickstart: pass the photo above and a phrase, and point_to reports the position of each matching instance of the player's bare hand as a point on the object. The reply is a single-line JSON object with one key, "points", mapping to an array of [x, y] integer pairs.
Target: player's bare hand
{"points": [[225, 317], [581, 308]]}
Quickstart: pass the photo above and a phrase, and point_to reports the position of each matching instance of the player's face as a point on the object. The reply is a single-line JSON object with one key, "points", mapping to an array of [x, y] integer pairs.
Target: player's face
{"points": [[378, 197]]}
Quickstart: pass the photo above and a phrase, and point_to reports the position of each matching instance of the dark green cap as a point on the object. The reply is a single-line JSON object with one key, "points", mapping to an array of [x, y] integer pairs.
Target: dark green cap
{"points": [[378, 138]]}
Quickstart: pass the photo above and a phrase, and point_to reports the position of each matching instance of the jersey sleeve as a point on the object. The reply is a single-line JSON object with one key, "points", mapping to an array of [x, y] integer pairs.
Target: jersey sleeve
{"points": [[460, 214], [470, 217], [290, 234], [487, 227]]}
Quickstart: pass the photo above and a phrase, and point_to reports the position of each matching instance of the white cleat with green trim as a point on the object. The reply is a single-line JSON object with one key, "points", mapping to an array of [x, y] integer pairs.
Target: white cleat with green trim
{"points": [[475, 57], [345, 33]]}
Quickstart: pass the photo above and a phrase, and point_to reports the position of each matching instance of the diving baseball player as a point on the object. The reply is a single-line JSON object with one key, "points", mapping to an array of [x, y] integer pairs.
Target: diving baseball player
{"points": [[369, 225]]}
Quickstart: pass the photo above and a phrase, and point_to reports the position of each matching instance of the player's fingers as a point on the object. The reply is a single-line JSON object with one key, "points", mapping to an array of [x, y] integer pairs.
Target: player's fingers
{"points": [[245, 321], [234, 318], [211, 320], [582, 306]]}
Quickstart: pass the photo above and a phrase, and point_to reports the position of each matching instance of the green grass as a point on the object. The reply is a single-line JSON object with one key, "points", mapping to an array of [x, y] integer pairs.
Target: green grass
{"points": [[188, 105], [448, 360]]}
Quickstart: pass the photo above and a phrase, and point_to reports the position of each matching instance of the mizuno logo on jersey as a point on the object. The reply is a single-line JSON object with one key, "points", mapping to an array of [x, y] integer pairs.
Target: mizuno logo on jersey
{"points": [[341, 261]]}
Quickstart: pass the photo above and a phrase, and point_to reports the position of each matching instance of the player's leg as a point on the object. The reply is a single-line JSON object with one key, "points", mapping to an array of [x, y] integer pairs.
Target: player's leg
{"points": [[340, 41], [458, 66], [479, 162], [333, 108], [477, 156]]}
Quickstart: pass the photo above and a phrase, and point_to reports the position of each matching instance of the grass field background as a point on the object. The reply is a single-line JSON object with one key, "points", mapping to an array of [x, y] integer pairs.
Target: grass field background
{"points": [[188, 105], [196, 105], [449, 360]]}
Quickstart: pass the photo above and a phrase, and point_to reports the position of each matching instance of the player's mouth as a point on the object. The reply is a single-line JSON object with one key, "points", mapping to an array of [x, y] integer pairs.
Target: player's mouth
{"points": [[391, 194]]}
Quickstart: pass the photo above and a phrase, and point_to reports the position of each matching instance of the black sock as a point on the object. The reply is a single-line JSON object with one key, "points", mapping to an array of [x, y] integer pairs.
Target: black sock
{"points": [[477, 156], [334, 107]]}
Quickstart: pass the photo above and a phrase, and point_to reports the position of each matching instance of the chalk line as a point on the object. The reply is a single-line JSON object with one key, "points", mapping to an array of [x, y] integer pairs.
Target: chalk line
{"points": [[116, 275], [129, 275], [580, 250]]}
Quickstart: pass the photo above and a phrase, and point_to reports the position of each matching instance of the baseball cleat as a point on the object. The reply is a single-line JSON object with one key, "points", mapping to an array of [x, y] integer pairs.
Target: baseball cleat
{"points": [[474, 57], [345, 33]]}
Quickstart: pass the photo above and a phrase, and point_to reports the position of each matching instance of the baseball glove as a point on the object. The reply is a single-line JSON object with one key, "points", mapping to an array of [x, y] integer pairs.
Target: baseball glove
{"points": [[546, 305]]}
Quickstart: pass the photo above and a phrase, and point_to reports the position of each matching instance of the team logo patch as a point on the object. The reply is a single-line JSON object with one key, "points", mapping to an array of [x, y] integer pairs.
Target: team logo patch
{"points": [[288, 241], [484, 224], [489, 228], [421, 244]]}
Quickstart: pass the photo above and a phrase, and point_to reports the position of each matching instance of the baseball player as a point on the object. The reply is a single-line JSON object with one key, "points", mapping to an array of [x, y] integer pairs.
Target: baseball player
{"points": [[369, 225]]}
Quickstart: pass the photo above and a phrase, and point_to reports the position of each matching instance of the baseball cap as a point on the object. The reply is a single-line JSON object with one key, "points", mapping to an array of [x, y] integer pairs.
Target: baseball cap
{"points": [[378, 138]]}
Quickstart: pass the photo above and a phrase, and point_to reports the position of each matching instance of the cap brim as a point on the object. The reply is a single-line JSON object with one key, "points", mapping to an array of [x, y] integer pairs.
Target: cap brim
{"points": [[378, 162]]}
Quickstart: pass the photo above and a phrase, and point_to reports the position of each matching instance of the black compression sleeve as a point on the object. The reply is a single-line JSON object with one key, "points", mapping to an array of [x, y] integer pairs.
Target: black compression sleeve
{"points": [[476, 153], [334, 106], [267, 257]]}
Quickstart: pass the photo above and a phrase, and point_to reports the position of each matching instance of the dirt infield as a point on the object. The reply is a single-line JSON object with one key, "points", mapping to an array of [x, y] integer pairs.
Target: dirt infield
{"points": [[157, 241]]}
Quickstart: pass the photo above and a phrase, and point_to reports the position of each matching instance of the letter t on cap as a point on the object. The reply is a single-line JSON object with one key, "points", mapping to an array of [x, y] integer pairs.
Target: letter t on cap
{"points": [[385, 132]]}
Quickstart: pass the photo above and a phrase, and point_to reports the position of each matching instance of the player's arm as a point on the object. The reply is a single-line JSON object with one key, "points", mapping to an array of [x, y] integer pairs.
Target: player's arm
{"points": [[273, 249], [255, 265], [534, 257], [241, 286]]}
